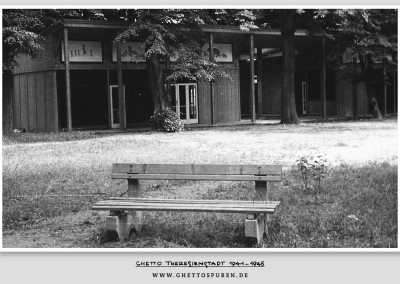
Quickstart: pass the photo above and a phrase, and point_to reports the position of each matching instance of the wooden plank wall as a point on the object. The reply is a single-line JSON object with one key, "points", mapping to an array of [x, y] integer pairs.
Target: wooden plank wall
{"points": [[227, 96], [314, 108], [35, 102], [362, 96], [41, 102], [204, 101], [345, 97], [271, 87], [51, 101], [28, 64], [16, 103], [32, 121], [23, 85], [7, 102]]}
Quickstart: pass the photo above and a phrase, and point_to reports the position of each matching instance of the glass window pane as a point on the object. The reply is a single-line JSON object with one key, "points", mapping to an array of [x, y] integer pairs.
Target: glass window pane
{"points": [[115, 116], [114, 94], [192, 102], [182, 101]]}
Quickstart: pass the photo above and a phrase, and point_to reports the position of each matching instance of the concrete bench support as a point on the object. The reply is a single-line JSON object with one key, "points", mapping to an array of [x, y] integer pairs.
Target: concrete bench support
{"points": [[255, 226], [123, 222]]}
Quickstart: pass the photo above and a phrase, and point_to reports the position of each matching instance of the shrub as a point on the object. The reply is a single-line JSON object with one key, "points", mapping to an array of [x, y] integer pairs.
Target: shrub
{"points": [[167, 121], [312, 169]]}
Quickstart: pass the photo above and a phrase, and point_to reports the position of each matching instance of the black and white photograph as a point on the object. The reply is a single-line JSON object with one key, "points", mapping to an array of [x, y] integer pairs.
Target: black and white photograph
{"points": [[194, 128]]}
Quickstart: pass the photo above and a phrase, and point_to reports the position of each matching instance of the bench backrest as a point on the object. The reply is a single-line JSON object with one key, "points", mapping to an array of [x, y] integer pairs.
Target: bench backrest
{"points": [[197, 172]]}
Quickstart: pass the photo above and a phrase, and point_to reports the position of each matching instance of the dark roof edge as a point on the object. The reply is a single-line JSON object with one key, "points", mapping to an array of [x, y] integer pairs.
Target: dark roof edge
{"points": [[76, 23], [233, 29]]}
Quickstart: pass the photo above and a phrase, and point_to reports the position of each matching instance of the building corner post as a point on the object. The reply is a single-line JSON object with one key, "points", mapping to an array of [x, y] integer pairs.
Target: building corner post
{"points": [[259, 82], [67, 81], [323, 81], [212, 93], [355, 88], [121, 97], [384, 88], [252, 89]]}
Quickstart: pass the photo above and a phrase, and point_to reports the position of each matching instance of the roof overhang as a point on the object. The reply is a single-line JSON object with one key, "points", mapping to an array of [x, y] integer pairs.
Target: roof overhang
{"points": [[270, 38], [95, 24], [237, 30], [86, 24]]}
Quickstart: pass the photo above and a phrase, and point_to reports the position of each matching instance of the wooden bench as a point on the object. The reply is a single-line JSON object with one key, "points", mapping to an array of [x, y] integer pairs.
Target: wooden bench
{"points": [[126, 212]]}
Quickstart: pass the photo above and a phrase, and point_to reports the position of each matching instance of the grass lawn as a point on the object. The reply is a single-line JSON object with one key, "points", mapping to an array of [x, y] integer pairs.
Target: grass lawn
{"points": [[357, 202]]}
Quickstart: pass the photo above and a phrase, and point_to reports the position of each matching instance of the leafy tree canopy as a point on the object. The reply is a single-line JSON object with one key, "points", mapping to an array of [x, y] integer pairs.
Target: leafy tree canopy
{"points": [[21, 28], [175, 33], [360, 33]]}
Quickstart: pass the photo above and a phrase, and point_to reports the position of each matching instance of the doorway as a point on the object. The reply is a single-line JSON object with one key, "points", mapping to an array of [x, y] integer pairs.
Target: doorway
{"points": [[114, 105], [184, 102], [89, 99], [304, 97]]}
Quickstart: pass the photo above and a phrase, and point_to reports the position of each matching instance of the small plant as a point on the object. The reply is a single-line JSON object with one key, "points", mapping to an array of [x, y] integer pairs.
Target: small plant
{"points": [[353, 225], [167, 121], [312, 169]]}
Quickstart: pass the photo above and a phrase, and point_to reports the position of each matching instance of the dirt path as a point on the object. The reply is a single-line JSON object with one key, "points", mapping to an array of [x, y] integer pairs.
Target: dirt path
{"points": [[68, 231]]}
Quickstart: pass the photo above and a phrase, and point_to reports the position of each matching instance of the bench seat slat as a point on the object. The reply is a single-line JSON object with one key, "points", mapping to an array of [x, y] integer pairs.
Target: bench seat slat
{"points": [[186, 207], [204, 169], [222, 205], [197, 177], [189, 209], [190, 201], [191, 205]]}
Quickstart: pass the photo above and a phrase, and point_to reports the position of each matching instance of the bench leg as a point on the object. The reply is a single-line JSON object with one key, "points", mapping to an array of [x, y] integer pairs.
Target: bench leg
{"points": [[134, 190], [255, 227], [137, 219], [122, 223]]}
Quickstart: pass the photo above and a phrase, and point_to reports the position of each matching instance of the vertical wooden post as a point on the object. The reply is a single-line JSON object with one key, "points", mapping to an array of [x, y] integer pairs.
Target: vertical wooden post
{"points": [[395, 92], [121, 97], [252, 91], [212, 94], [256, 225], [262, 194], [355, 88], [55, 101], [261, 191], [259, 82], [109, 98], [323, 81], [384, 88], [67, 81]]}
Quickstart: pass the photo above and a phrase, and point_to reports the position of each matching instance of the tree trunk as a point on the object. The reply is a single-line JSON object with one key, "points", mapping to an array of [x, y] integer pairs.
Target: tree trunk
{"points": [[155, 75], [368, 78], [288, 104]]}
